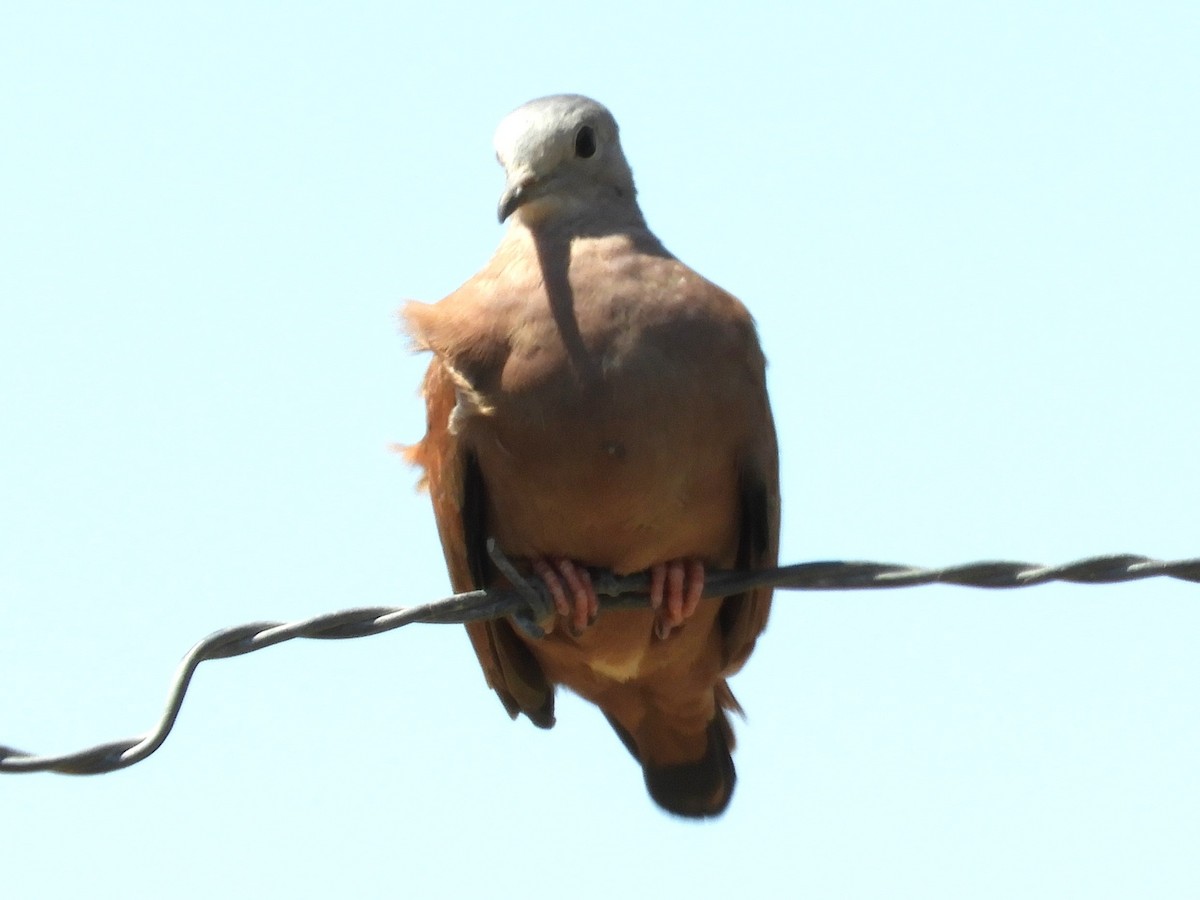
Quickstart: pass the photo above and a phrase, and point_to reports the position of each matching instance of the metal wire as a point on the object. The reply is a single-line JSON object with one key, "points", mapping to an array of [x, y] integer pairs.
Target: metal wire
{"points": [[618, 592]]}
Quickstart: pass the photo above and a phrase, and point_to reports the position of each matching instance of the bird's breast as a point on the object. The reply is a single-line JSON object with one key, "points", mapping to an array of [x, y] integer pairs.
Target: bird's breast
{"points": [[618, 471], [608, 430]]}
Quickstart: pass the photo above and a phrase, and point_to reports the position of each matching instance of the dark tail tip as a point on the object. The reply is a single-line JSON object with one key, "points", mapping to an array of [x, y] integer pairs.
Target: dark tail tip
{"points": [[698, 790]]}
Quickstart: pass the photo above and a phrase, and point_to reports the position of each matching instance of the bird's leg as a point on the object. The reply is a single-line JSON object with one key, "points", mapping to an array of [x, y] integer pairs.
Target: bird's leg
{"points": [[675, 590], [571, 587]]}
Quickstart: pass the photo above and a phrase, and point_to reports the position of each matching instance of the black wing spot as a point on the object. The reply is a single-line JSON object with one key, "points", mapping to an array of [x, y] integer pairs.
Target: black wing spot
{"points": [[474, 517], [754, 528]]}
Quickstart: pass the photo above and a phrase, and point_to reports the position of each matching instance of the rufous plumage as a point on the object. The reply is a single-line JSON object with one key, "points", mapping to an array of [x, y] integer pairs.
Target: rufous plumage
{"points": [[594, 403]]}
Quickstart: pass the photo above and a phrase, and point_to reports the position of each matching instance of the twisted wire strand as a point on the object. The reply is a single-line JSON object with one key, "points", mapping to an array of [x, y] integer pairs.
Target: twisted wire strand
{"points": [[618, 592]]}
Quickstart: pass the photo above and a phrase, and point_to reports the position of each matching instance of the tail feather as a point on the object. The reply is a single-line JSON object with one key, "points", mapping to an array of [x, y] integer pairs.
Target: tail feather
{"points": [[701, 789]]}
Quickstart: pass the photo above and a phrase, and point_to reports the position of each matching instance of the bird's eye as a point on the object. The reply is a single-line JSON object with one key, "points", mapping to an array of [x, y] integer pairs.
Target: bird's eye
{"points": [[585, 142]]}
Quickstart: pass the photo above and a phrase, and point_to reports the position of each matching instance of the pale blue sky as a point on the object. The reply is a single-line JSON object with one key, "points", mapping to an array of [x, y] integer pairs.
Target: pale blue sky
{"points": [[970, 236]]}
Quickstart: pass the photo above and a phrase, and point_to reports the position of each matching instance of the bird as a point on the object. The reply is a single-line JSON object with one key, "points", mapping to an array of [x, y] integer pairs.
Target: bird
{"points": [[594, 404]]}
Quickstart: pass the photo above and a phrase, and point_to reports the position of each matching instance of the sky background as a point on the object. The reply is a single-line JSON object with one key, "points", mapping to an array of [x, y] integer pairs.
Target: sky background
{"points": [[969, 234]]}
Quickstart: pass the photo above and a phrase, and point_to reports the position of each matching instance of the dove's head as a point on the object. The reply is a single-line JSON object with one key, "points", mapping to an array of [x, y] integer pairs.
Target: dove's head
{"points": [[561, 155]]}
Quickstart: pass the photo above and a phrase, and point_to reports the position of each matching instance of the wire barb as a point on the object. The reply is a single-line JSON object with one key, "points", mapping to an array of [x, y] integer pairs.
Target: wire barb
{"points": [[619, 592]]}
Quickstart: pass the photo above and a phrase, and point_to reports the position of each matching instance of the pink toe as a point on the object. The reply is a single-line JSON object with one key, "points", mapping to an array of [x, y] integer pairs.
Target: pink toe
{"points": [[554, 585], [658, 581], [581, 593], [676, 581], [695, 587]]}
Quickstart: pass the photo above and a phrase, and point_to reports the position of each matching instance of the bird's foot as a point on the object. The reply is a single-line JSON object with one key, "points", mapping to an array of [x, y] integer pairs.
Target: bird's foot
{"points": [[571, 593], [675, 590], [571, 589]]}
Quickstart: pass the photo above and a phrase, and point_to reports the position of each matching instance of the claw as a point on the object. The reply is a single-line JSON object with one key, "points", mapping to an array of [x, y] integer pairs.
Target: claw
{"points": [[675, 591], [572, 591]]}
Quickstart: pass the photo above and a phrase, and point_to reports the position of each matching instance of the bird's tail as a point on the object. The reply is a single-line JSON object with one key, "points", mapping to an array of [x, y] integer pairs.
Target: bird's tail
{"points": [[700, 786]]}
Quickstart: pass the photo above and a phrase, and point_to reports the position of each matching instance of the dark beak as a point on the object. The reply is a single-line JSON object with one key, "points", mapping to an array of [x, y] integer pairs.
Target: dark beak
{"points": [[514, 195]]}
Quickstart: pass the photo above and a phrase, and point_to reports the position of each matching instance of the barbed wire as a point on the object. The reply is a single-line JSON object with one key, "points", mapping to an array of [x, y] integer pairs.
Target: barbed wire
{"points": [[617, 592]]}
